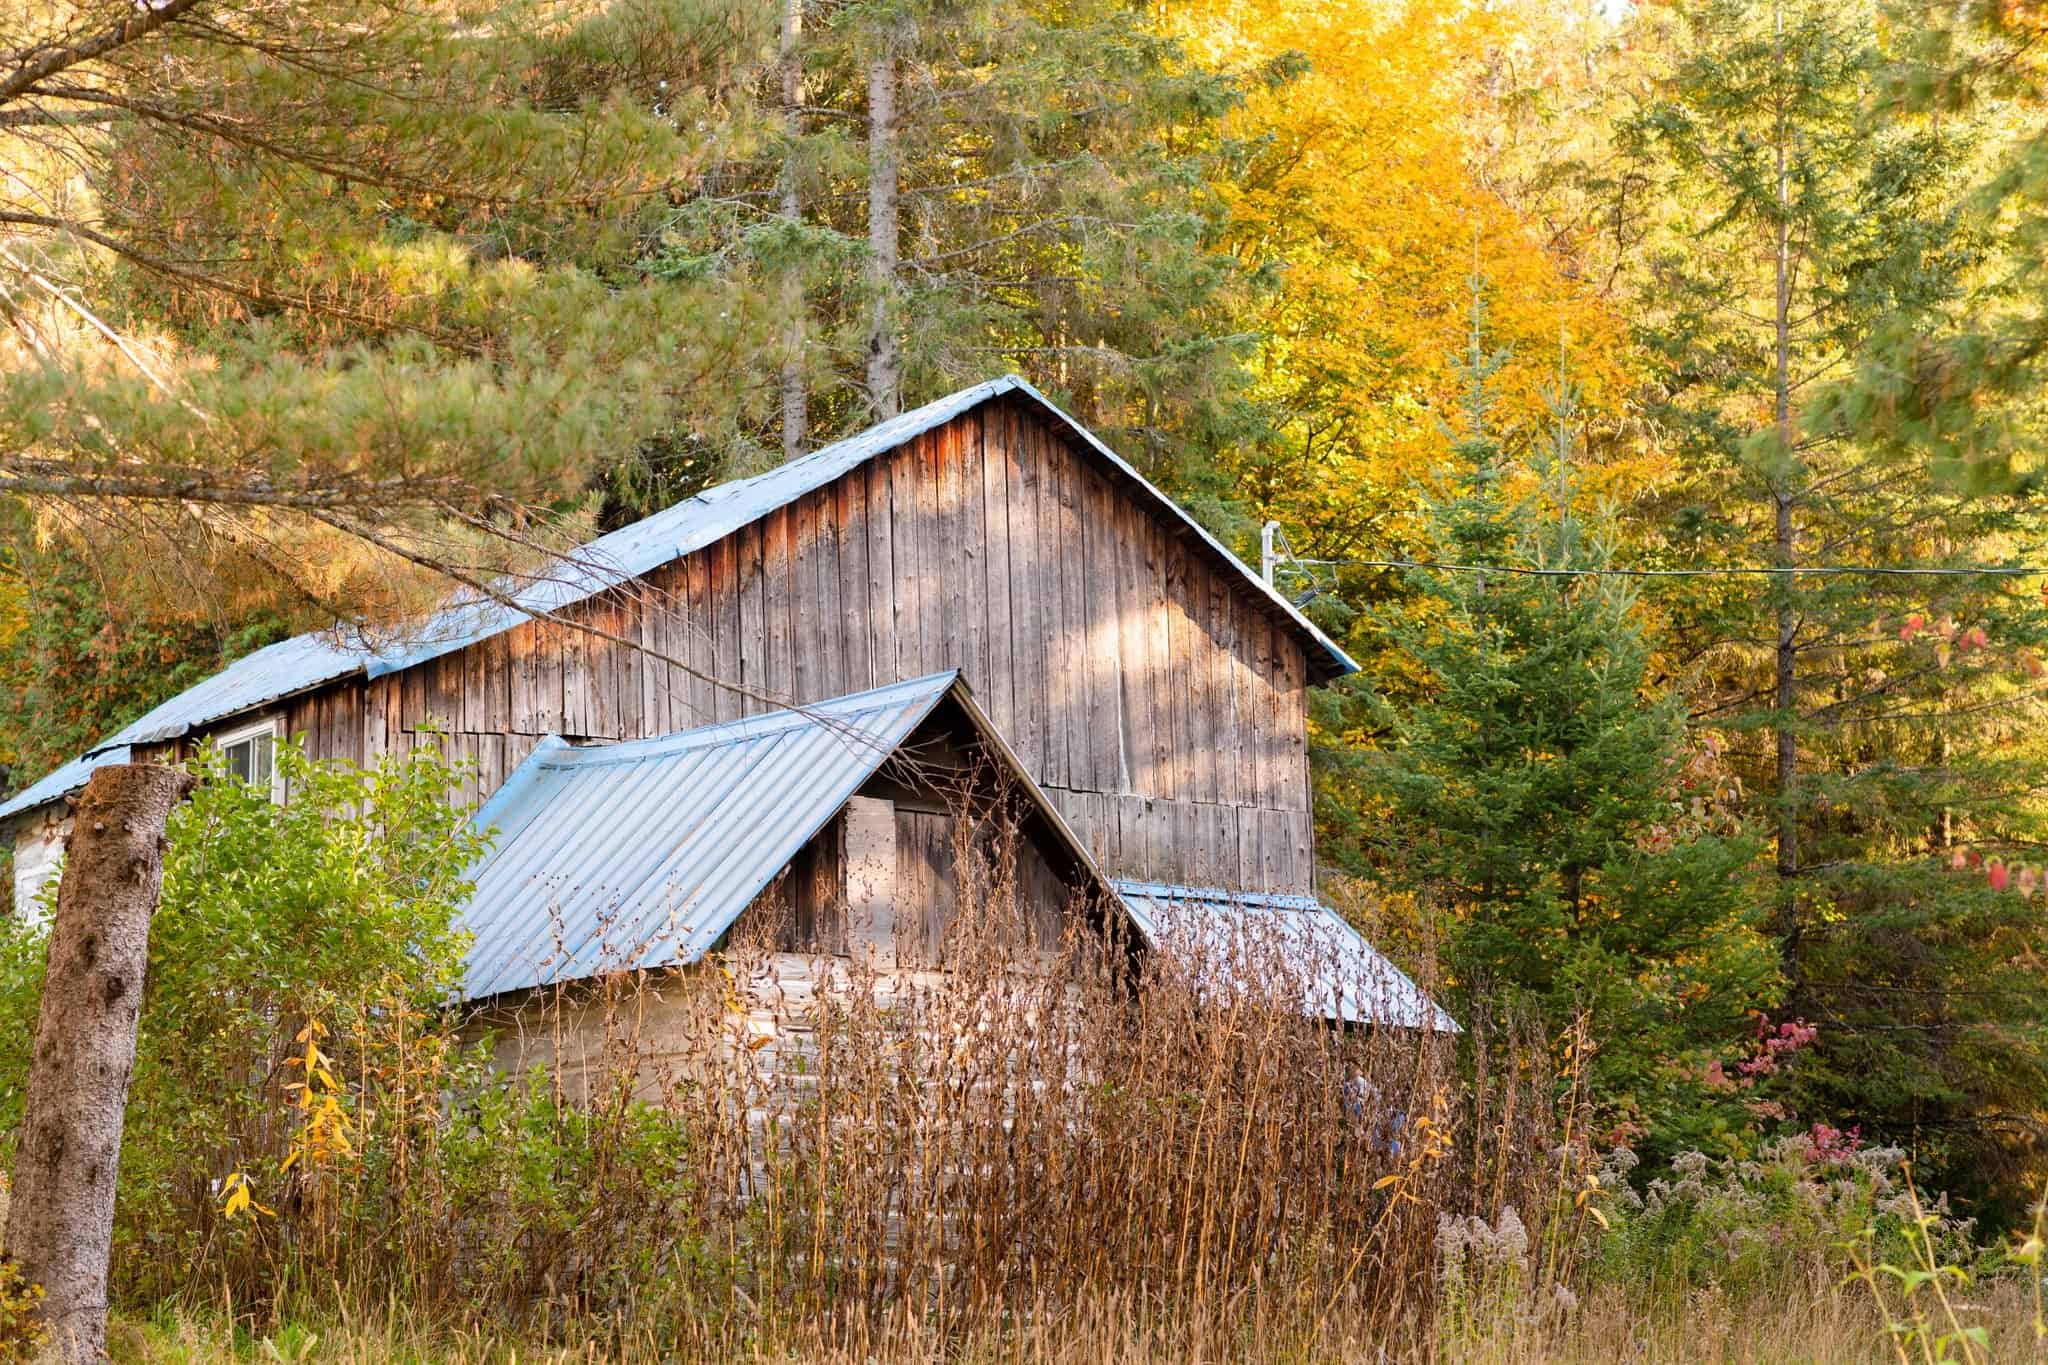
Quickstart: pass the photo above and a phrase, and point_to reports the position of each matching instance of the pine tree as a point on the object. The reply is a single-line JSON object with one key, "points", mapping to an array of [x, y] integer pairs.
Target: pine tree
{"points": [[351, 275], [1786, 226], [1960, 384], [993, 187], [1539, 789]]}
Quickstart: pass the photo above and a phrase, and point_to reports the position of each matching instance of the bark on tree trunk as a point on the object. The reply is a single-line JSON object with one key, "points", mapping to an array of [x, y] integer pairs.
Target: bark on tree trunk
{"points": [[60, 1225], [1786, 700], [885, 365], [1785, 549], [796, 418]]}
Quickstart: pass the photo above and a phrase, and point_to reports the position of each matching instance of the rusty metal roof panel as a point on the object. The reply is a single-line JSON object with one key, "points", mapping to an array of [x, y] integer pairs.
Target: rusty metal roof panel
{"points": [[642, 854], [1226, 936]]}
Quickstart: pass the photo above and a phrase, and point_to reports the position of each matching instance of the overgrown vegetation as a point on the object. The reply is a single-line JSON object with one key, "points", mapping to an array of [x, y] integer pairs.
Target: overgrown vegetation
{"points": [[1048, 1159], [1732, 865], [1540, 790]]}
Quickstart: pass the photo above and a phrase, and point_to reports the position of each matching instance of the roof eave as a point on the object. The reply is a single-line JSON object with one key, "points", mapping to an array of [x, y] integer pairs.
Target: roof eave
{"points": [[1325, 658]]}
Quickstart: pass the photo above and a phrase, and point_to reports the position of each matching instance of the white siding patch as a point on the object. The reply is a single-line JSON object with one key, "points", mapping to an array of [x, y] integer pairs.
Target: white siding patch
{"points": [[38, 853]]}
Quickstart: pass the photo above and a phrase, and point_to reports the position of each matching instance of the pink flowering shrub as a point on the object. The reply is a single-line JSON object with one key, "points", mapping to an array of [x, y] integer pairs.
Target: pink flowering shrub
{"points": [[1752, 1088], [1772, 1045], [1834, 1146]]}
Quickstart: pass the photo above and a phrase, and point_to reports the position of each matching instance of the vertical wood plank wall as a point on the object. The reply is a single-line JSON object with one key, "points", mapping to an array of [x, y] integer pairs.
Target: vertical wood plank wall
{"points": [[1156, 700]]}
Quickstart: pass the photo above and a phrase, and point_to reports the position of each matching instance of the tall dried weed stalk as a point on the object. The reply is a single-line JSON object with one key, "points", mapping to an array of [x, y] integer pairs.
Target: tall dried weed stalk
{"points": [[817, 1153]]}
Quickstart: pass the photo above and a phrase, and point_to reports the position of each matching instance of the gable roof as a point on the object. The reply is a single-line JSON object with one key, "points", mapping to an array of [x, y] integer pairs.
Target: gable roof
{"points": [[642, 854], [1226, 934], [317, 659]]}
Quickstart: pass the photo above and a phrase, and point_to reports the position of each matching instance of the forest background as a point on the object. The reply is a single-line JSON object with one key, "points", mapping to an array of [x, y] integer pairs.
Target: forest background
{"points": [[1649, 397]]}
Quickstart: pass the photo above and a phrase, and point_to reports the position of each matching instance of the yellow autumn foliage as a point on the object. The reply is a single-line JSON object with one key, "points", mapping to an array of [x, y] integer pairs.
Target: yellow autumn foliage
{"points": [[1367, 195]]}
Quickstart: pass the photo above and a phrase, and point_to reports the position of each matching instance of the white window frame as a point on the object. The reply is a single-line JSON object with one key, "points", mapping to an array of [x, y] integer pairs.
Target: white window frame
{"points": [[255, 730]]}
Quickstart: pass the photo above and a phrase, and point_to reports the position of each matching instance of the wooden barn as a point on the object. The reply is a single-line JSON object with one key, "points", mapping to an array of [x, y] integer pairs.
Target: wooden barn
{"points": [[979, 585]]}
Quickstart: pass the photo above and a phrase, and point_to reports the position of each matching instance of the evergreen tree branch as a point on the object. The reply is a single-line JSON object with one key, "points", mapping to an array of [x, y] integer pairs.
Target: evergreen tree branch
{"points": [[189, 275], [32, 68], [24, 476], [56, 118]]}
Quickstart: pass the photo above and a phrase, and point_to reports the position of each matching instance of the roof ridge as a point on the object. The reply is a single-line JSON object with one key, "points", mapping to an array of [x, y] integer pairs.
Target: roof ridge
{"points": [[742, 729], [316, 658]]}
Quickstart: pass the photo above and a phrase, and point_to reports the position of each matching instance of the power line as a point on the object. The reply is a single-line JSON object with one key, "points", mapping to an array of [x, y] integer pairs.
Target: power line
{"points": [[1789, 571]]}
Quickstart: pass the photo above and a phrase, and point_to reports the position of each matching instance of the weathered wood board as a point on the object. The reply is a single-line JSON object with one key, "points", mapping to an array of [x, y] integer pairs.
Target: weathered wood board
{"points": [[1160, 703]]}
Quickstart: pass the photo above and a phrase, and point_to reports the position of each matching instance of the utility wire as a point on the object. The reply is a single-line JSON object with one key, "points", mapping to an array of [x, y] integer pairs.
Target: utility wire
{"points": [[1870, 571]]}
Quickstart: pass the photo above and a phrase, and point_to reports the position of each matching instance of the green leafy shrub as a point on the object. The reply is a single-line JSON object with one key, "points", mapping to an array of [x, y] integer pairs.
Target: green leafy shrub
{"points": [[308, 1114], [1789, 1217], [592, 1205], [333, 910]]}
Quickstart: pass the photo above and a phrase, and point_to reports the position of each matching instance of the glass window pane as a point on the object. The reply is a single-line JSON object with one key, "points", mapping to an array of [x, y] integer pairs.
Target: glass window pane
{"points": [[240, 757]]}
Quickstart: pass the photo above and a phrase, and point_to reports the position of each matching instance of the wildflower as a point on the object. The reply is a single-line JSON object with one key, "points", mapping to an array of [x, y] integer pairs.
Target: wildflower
{"points": [[1833, 1146], [1511, 1237], [1615, 1166], [1451, 1241]]}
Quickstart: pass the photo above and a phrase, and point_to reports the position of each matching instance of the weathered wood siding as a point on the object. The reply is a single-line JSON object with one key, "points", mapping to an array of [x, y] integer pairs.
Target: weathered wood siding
{"points": [[804, 910], [674, 1031], [1160, 705]]}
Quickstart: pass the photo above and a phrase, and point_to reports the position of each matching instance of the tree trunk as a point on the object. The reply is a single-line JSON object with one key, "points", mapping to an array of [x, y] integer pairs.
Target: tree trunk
{"points": [[885, 363], [1784, 548], [796, 418], [1786, 699], [60, 1226]]}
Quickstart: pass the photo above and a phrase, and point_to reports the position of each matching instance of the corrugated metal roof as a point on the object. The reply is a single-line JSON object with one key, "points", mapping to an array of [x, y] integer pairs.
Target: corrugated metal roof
{"points": [[310, 661], [1229, 934], [273, 672], [717, 512], [641, 854], [62, 782]]}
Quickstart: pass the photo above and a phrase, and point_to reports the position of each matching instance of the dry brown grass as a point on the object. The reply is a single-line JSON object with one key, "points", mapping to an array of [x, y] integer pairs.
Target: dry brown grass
{"points": [[1081, 1155], [1833, 1328], [989, 1153]]}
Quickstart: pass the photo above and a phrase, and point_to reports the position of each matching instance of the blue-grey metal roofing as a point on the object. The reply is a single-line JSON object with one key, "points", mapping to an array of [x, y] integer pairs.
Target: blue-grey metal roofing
{"points": [[63, 781], [1227, 936], [310, 661], [642, 854]]}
